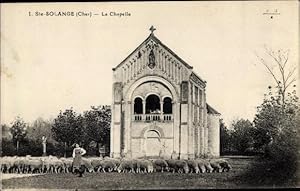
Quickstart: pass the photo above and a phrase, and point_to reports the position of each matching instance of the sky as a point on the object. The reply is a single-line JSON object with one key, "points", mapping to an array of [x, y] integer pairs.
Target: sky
{"points": [[53, 63]]}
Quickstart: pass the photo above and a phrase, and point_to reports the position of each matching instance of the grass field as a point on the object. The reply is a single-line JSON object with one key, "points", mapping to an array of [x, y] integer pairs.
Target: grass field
{"points": [[105, 181]]}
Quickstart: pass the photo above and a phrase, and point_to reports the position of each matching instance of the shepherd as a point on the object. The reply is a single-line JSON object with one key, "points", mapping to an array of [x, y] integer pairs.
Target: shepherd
{"points": [[78, 166]]}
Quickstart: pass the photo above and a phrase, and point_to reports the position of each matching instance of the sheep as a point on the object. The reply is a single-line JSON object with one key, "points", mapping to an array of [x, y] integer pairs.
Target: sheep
{"points": [[201, 165], [34, 164], [108, 164], [96, 163], [193, 166], [178, 166], [204, 166], [47, 165], [126, 165], [182, 166], [68, 162], [219, 165], [7, 164], [160, 164], [171, 165], [58, 165], [135, 165], [52, 164], [17, 164], [115, 160], [144, 166], [87, 164], [226, 166]]}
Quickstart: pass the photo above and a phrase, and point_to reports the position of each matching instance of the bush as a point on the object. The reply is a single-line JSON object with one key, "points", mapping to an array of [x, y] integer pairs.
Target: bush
{"points": [[7, 148]]}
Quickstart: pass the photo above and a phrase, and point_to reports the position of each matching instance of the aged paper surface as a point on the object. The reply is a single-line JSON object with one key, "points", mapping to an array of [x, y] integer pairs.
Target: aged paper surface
{"points": [[56, 56]]}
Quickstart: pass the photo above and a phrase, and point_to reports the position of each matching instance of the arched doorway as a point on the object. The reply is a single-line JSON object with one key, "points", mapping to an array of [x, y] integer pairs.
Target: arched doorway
{"points": [[153, 144]]}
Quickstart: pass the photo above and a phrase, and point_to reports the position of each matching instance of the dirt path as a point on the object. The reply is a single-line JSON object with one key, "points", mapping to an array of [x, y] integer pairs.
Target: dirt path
{"points": [[9, 176]]}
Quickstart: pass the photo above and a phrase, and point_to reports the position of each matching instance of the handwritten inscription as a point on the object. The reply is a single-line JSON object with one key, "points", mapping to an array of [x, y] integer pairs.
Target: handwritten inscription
{"points": [[271, 12]]}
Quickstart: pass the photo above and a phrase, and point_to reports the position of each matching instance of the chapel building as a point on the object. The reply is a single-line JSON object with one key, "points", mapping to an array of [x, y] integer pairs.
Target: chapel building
{"points": [[159, 107]]}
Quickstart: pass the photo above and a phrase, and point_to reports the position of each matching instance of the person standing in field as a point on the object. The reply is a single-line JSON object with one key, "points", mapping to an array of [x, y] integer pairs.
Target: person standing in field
{"points": [[78, 166]]}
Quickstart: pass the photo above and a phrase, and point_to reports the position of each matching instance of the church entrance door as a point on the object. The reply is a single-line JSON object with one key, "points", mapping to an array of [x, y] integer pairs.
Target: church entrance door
{"points": [[153, 143]]}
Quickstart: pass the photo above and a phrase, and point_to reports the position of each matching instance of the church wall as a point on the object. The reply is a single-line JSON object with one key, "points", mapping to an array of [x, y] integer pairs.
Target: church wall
{"points": [[184, 144], [115, 139], [127, 126], [139, 137], [197, 113], [176, 130], [213, 135], [139, 128], [187, 134], [136, 65], [116, 131]]}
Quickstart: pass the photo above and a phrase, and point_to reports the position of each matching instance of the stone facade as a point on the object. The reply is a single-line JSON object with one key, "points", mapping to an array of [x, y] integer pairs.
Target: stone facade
{"points": [[159, 107]]}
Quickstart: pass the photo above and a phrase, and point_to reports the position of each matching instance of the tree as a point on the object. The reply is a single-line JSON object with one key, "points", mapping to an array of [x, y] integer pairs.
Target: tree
{"points": [[40, 128], [225, 138], [68, 128], [97, 124], [274, 118], [279, 60], [5, 129], [18, 131], [242, 135], [277, 120], [279, 102]]}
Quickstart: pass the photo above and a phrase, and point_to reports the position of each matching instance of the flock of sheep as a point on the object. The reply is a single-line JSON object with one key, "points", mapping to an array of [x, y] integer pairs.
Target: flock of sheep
{"points": [[52, 164]]}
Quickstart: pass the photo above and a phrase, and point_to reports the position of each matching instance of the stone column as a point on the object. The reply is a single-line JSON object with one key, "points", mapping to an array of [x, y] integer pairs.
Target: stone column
{"points": [[202, 135], [191, 122], [161, 110], [134, 69], [176, 124], [183, 126], [130, 71], [205, 124], [144, 110], [163, 62], [127, 128], [115, 133], [179, 74], [213, 135]]}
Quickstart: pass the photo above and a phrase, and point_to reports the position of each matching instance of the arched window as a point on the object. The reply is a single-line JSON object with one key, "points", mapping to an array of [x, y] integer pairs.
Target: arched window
{"points": [[152, 104], [138, 106], [167, 105]]}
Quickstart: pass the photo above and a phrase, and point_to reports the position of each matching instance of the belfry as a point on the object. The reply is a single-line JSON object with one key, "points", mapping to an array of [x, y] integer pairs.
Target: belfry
{"points": [[159, 107]]}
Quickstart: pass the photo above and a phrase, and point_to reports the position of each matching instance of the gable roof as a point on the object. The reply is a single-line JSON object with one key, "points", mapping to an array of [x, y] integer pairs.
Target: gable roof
{"points": [[211, 110], [154, 38]]}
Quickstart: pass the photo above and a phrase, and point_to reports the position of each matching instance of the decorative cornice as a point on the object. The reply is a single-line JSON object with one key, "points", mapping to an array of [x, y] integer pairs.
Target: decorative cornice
{"points": [[195, 78], [153, 39]]}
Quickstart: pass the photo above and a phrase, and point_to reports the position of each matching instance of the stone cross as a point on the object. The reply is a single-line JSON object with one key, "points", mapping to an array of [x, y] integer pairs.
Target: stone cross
{"points": [[152, 29]]}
